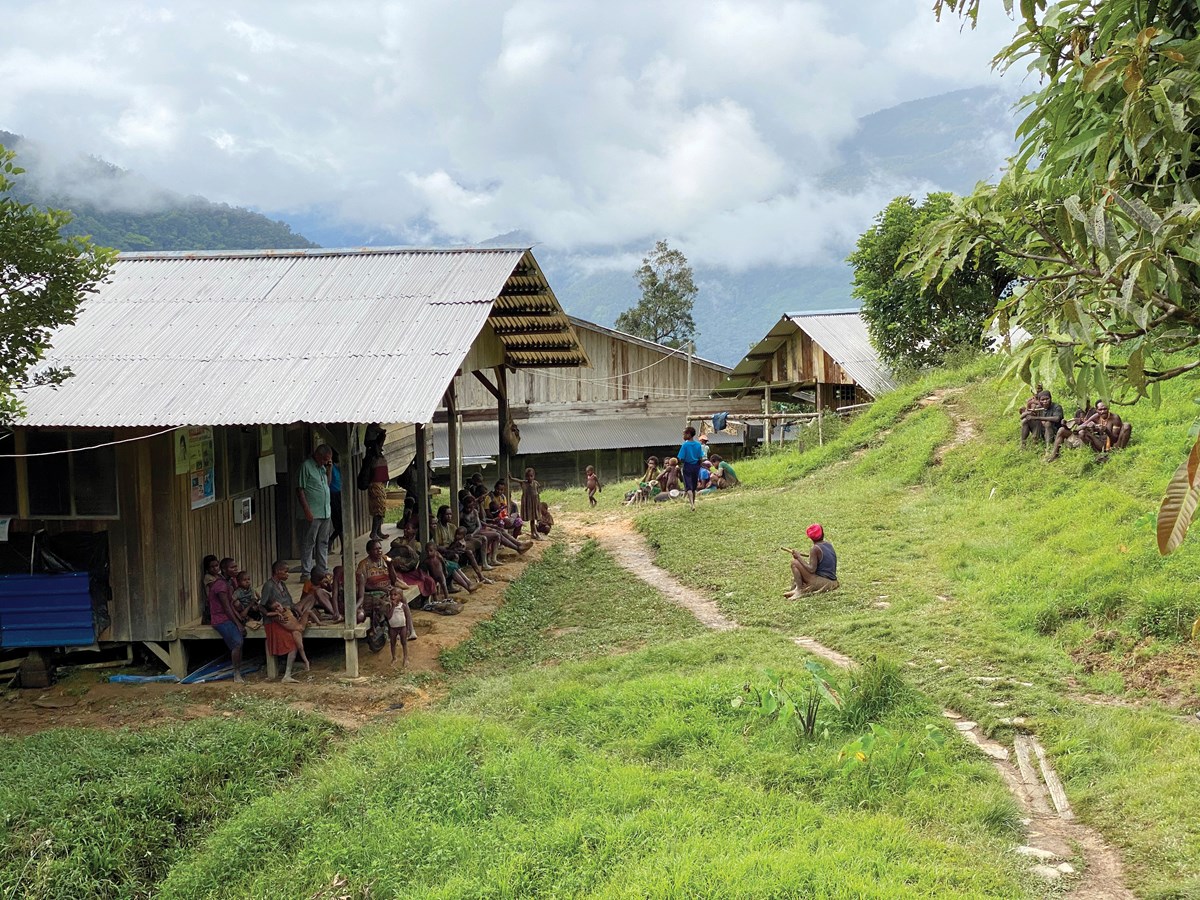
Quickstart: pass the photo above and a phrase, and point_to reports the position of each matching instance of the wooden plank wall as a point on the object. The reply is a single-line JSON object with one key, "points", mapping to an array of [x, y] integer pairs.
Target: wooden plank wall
{"points": [[197, 532], [620, 372]]}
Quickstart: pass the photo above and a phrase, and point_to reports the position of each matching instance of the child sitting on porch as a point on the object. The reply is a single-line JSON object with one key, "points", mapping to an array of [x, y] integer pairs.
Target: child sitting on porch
{"points": [[446, 573], [246, 600], [318, 590]]}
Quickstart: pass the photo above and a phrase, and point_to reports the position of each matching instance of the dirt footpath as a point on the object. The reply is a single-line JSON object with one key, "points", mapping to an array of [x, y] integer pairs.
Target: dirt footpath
{"points": [[83, 698]]}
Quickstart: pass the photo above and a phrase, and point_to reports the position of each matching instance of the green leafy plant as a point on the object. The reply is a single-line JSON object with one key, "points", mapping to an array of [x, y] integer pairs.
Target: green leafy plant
{"points": [[878, 763], [776, 703]]}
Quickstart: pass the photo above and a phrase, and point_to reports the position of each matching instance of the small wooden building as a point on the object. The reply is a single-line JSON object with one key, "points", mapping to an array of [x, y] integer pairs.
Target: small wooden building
{"points": [[202, 382], [824, 358], [633, 401]]}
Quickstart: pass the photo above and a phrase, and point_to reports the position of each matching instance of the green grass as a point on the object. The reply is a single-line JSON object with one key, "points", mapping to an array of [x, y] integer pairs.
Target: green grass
{"points": [[90, 813], [994, 563], [569, 607], [629, 775]]}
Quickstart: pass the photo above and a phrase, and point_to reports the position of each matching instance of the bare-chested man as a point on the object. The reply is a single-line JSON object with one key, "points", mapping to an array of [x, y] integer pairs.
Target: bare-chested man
{"points": [[1102, 430], [1041, 414]]}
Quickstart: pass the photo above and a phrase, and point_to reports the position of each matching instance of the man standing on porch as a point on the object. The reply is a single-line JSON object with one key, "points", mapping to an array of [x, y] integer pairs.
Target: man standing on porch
{"points": [[313, 491]]}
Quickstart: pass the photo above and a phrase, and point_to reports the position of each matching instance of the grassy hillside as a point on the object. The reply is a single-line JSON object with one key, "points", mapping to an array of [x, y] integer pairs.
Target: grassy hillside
{"points": [[589, 741], [992, 564]]}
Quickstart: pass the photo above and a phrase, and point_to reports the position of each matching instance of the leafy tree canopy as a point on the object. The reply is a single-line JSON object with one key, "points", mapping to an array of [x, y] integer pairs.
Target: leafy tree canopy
{"points": [[1098, 213], [43, 278], [664, 314], [915, 324]]}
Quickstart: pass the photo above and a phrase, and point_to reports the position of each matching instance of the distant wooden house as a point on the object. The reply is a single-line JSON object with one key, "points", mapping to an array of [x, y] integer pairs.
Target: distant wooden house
{"points": [[201, 383], [633, 401], [824, 358]]}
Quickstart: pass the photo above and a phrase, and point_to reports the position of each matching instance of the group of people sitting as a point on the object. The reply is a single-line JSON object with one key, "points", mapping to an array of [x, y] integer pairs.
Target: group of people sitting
{"points": [[1096, 426], [233, 606], [714, 474], [387, 586]]}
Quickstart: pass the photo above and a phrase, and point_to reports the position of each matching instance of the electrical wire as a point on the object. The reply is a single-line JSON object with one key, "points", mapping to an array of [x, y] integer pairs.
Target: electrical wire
{"points": [[140, 437]]}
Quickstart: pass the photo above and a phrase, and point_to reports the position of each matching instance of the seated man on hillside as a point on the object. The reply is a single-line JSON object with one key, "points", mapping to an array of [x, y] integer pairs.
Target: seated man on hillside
{"points": [[1044, 415], [1100, 428]]}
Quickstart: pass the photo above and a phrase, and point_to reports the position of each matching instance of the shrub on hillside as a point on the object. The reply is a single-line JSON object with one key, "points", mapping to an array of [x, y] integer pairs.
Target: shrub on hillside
{"points": [[1166, 613]]}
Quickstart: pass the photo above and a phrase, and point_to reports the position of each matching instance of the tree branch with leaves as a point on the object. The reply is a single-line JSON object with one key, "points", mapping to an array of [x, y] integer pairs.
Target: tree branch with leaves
{"points": [[43, 279], [664, 314]]}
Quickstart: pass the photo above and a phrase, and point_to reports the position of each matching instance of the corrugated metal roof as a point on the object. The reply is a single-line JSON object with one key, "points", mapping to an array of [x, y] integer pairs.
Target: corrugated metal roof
{"points": [[634, 339], [843, 335], [560, 435], [285, 336]]}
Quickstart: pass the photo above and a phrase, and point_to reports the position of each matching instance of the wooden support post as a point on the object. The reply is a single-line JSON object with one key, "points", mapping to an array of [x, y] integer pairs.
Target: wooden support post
{"points": [[423, 484], [820, 418], [503, 460], [454, 443], [349, 499], [767, 415]]}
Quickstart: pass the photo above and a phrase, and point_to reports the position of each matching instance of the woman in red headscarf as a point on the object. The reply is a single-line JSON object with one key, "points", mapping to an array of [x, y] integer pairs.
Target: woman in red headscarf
{"points": [[815, 571]]}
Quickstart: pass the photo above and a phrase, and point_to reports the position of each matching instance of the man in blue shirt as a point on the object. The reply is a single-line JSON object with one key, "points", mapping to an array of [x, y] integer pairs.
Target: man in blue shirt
{"points": [[690, 453]]}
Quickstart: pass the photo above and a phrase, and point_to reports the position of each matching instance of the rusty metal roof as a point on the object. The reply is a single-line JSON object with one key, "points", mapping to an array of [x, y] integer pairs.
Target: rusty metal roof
{"points": [[274, 337], [842, 333]]}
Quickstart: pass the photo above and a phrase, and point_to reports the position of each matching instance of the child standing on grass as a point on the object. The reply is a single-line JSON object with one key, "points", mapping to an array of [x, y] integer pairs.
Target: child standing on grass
{"points": [[593, 484], [531, 501]]}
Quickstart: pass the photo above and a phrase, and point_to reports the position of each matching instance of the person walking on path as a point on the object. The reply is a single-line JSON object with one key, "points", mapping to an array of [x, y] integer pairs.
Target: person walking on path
{"points": [[815, 571], [691, 452], [313, 492]]}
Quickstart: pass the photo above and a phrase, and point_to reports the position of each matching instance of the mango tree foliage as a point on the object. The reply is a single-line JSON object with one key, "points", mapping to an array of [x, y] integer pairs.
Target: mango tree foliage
{"points": [[43, 279], [1097, 214], [915, 324]]}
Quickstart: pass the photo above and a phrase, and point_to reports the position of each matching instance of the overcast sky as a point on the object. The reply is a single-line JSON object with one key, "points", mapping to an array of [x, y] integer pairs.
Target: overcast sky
{"points": [[583, 124]]}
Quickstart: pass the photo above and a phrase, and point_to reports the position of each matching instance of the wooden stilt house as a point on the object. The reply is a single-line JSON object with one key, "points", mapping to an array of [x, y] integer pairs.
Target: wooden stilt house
{"points": [[201, 382], [825, 358]]}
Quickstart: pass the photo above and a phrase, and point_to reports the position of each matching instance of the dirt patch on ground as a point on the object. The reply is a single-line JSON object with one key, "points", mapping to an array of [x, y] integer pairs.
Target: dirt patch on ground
{"points": [[964, 429], [1169, 675], [618, 537], [84, 699]]}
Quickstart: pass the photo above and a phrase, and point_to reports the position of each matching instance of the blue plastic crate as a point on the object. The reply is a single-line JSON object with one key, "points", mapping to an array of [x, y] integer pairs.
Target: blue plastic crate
{"points": [[46, 610]]}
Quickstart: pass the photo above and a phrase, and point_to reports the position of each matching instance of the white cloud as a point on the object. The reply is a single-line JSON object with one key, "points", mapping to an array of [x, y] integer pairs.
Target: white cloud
{"points": [[584, 124]]}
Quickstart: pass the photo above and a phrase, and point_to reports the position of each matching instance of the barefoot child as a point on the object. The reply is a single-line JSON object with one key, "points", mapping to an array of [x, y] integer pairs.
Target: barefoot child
{"points": [[531, 499], [466, 553], [279, 613], [444, 572], [545, 521], [593, 484], [245, 598]]}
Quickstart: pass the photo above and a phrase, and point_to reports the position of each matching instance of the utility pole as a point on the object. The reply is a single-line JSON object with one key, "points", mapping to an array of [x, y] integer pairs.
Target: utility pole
{"points": [[691, 350]]}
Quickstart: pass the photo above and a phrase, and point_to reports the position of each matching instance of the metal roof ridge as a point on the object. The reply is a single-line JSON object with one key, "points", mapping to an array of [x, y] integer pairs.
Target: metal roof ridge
{"points": [[300, 252], [824, 312]]}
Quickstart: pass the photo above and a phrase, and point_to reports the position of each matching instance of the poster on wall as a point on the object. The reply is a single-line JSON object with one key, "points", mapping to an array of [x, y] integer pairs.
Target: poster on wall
{"points": [[266, 441], [181, 451], [202, 466]]}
